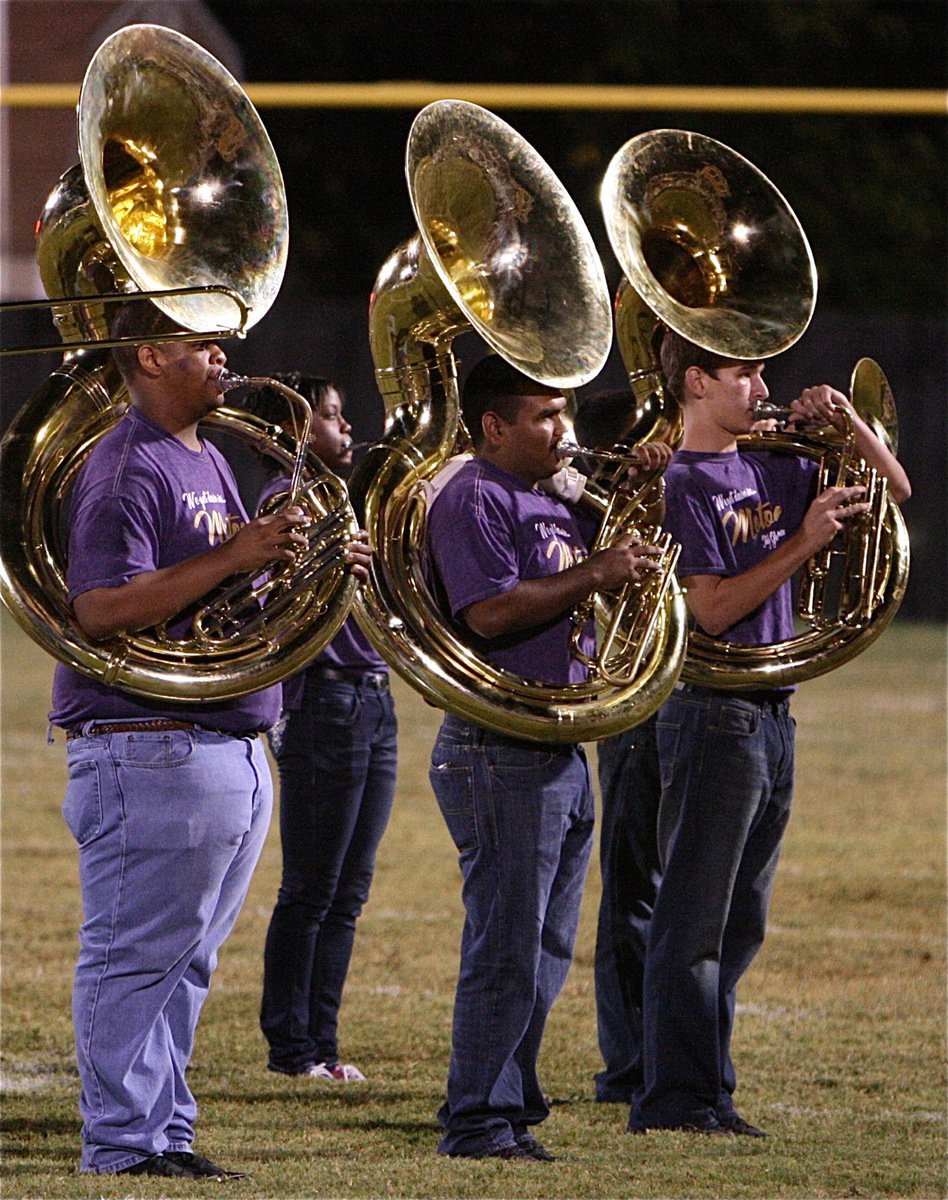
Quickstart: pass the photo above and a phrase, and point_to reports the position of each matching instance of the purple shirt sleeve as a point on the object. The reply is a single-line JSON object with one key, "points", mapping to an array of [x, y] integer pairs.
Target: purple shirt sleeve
{"points": [[145, 501], [487, 531], [475, 549], [728, 512], [111, 541]]}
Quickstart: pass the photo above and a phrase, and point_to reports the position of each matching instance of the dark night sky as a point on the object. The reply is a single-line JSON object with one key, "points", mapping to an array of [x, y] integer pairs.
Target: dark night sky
{"points": [[869, 191]]}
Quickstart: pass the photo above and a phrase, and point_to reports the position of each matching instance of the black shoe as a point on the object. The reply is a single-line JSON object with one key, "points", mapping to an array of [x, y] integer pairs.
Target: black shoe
{"points": [[742, 1128], [713, 1127], [514, 1151], [159, 1164], [526, 1141], [196, 1166]]}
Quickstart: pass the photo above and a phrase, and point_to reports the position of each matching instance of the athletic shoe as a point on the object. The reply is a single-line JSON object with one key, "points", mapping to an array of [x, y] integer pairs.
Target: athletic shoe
{"points": [[344, 1073], [311, 1071]]}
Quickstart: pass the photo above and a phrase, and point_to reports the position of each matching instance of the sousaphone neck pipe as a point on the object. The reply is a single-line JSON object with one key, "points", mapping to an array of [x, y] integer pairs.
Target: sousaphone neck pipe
{"points": [[227, 380], [569, 449]]}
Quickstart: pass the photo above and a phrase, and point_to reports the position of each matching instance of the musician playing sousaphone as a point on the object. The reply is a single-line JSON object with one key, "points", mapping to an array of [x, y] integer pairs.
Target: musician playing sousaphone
{"points": [[169, 804], [176, 617], [746, 520], [509, 562]]}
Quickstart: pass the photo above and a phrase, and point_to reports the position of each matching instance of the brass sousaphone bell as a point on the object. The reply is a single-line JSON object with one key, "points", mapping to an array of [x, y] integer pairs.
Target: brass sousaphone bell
{"points": [[713, 251], [178, 197]]}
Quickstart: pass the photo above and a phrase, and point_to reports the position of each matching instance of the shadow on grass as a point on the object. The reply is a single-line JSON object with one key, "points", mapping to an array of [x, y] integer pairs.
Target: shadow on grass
{"points": [[381, 1125], [328, 1094], [36, 1126], [54, 1164], [583, 1098]]}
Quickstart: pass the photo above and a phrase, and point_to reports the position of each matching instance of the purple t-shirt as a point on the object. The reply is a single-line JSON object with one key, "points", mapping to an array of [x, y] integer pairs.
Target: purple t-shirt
{"points": [[145, 501], [488, 530], [728, 511], [350, 648]]}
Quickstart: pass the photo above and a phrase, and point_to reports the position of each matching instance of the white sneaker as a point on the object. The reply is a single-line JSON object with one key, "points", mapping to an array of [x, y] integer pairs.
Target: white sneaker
{"points": [[317, 1071], [345, 1073]]}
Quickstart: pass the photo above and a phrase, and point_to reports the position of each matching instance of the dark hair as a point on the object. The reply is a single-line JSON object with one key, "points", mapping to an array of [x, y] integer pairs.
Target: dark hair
{"points": [[604, 418], [678, 354], [494, 385], [271, 405], [138, 319]]}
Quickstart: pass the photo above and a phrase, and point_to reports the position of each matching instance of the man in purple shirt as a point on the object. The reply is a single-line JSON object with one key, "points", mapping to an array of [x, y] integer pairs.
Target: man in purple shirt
{"points": [[170, 808], [511, 563], [746, 521]]}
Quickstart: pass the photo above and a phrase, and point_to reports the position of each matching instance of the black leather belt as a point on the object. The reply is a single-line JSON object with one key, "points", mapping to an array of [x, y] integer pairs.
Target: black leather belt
{"points": [[372, 679], [149, 725], [154, 725]]}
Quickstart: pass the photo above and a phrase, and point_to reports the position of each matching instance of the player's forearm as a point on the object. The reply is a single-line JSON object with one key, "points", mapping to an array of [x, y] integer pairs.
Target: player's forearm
{"points": [[877, 454], [718, 602], [532, 602], [152, 597]]}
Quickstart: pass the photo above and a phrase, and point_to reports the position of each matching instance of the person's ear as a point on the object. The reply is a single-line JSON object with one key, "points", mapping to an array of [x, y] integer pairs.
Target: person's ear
{"points": [[493, 426], [695, 381], [150, 362]]}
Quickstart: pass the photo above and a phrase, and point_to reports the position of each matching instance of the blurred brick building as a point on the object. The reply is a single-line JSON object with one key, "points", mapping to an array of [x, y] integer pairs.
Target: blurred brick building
{"points": [[52, 41]]}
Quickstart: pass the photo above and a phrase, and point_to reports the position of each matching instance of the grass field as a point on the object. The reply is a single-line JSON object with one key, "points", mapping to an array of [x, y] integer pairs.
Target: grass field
{"points": [[840, 1038]]}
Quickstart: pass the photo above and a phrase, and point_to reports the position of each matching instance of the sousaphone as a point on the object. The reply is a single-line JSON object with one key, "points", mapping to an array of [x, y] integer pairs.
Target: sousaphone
{"points": [[178, 197], [713, 251], [502, 251]]}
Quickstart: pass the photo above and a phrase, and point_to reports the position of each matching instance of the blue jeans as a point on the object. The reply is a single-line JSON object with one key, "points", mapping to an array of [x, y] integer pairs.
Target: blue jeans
{"points": [[337, 760], [727, 782], [628, 851], [170, 826], [521, 815]]}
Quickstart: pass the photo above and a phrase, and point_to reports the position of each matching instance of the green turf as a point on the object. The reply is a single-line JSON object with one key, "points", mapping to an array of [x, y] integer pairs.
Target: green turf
{"points": [[840, 1038]]}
